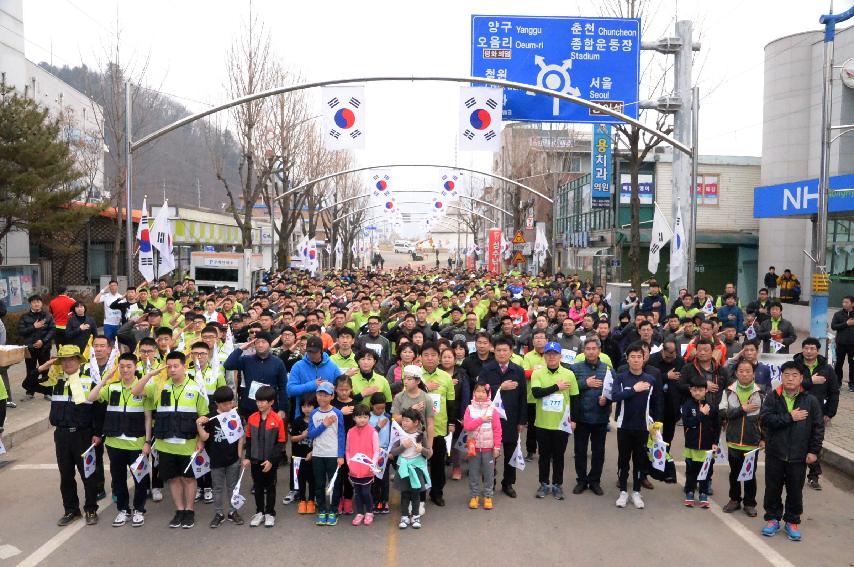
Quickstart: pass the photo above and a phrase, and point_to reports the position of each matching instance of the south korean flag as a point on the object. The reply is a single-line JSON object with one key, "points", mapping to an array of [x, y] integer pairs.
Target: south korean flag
{"points": [[451, 185], [389, 206], [480, 118], [381, 182], [438, 207], [343, 110]]}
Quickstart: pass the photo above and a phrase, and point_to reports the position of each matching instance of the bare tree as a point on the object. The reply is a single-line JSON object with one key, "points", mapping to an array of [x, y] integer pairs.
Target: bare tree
{"points": [[250, 70], [109, 89], [345, 230]]}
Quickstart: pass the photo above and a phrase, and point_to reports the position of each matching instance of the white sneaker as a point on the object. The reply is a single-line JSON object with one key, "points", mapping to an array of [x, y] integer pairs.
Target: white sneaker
{"points": [[121, 519], [256, 520], [291, 496], [198, 494], [421, 509], [637, 500], [269, 520], [622, 499], [138, 519], [156, 495], [404, 522], [208, 496], [416, 522]]}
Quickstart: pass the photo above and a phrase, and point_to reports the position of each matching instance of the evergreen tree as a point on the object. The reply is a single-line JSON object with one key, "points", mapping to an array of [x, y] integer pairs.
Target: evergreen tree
{"points": [[39, 179]]}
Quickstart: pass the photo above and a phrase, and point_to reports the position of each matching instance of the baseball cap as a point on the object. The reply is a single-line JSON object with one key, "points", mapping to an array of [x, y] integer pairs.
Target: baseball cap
{"points": [[552, 346], [326, 387], [264, 336], [313, 344], [153, 312], [413, 370]]}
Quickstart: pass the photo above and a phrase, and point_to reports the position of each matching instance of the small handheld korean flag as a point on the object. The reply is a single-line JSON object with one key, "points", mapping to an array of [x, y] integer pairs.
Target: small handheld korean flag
{"points": [[396, 434], [332, 480], [608, 385], [566, 420], [776, 376], [720, 454], [498, 404], [658, 454], [707, 465], [231, 426], [2, 448], [237, 499], [297, 463], [363, 459], [344, 118], [381, 181], [517, 459], [748, 468], [708, 307], [460, 445], [649, 419], [750, 333], [140, 467], [449, 442], [382, 462], [89, 461], [480, 118], [660, 235], [201, 463], [775, 345], [228, 345]]}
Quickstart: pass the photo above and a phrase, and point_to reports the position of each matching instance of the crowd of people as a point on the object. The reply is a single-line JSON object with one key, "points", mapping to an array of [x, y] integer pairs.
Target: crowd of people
{"points": [[363, 382]]}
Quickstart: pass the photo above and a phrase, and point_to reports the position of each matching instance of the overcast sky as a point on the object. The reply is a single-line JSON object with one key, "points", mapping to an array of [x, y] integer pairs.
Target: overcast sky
{"points": [[409, 122]]}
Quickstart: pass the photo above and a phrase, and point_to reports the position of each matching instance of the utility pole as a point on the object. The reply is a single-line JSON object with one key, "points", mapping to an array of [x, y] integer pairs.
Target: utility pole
{"points": [[128, 187], [198, 194]]}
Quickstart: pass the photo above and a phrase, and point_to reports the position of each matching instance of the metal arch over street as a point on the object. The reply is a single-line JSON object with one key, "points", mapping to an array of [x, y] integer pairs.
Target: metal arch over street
{"points": [[131, 145], [363, 195], [390, 165], [393, 78], [342, 217], [445, 223]]}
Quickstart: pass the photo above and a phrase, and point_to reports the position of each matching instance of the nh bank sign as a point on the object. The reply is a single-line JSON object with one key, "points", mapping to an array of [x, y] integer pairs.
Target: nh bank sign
{"points": [[800, 198]]}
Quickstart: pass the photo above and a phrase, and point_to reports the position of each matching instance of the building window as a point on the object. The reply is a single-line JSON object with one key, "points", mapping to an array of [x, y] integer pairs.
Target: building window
{"points": [[708, 188], [99, 260]]}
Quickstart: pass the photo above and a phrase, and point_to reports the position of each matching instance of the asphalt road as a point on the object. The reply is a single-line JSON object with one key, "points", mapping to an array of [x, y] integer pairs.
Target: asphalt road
{"points": [[584, 528]]}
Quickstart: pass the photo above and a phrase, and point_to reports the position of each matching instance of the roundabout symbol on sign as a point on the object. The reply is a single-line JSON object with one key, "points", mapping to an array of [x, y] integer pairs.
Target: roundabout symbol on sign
{"points": [[555, 77]]}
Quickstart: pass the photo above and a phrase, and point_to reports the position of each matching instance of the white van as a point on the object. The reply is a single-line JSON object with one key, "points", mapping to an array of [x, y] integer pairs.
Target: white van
{"points": [[403, 246]]}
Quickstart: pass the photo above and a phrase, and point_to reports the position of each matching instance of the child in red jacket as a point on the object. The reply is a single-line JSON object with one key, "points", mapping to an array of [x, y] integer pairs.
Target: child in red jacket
{"points": [[265, 439], [362, 441], [483, 426]]}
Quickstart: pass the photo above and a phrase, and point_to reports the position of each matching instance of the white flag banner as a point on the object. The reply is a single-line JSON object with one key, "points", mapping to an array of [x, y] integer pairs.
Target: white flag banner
{"points": [[748, 468], [451, 185], [566, 419], [720, 454], [498, 404], [449, 443], [140, 467], [344, 118], [775, 345], [678, 248], [517, 459], [659, 236], [708, 307], [541, 243], [162, 240], [297, 463], [228, 345], [381, 181], [231, 425], [94, 369], [707, 465], [237, 499], [363, 459], [89, 461], [649, 419], [313, 256], [608, 385], [145, 261], [480, 118]]}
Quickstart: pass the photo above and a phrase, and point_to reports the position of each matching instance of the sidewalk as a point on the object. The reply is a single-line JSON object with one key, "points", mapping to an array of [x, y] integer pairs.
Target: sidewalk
{"points": [[30, 418], [839, 435]]}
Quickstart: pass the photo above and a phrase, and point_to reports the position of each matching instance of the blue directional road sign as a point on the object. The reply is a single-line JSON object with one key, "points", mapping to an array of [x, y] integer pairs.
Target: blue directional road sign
{"points": [[597, 59]]}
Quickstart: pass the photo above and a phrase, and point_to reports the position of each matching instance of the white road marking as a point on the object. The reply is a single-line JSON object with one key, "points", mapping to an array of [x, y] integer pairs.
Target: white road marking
{"points": [[751, 538], [36, 467], [7, 551]]}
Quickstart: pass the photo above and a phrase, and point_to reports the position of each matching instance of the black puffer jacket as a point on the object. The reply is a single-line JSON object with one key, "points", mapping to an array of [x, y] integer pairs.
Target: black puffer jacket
{"points": [[786, 439], [844, 331], [827, 393], [30, 334]]}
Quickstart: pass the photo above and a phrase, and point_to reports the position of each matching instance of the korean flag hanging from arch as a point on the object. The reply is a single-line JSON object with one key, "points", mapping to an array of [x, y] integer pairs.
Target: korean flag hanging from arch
{"points": [[343, 111], [480, 118], [381, 182]]}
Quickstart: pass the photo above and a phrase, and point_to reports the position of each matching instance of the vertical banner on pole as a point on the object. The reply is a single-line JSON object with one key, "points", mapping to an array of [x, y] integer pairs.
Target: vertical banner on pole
{"points": [[494, 250]]}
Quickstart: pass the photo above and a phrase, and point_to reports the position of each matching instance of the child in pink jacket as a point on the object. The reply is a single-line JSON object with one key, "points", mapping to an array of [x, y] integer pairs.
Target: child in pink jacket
{"points": [[483, 426], [363, 444]]}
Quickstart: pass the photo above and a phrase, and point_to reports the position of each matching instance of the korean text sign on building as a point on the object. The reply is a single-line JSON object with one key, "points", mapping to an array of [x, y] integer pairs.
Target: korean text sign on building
{"points": [[597, 59]]}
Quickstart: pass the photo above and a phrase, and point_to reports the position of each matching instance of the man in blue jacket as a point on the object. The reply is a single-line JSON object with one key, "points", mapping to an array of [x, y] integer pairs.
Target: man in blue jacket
{"points": [[634, 391], [592, 422], [655, 301], [311, 371], [259, 369]]}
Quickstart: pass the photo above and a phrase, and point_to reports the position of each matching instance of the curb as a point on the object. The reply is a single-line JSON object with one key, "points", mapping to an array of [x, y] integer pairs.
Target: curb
{"points": [[838, 458], [26, 431]]}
